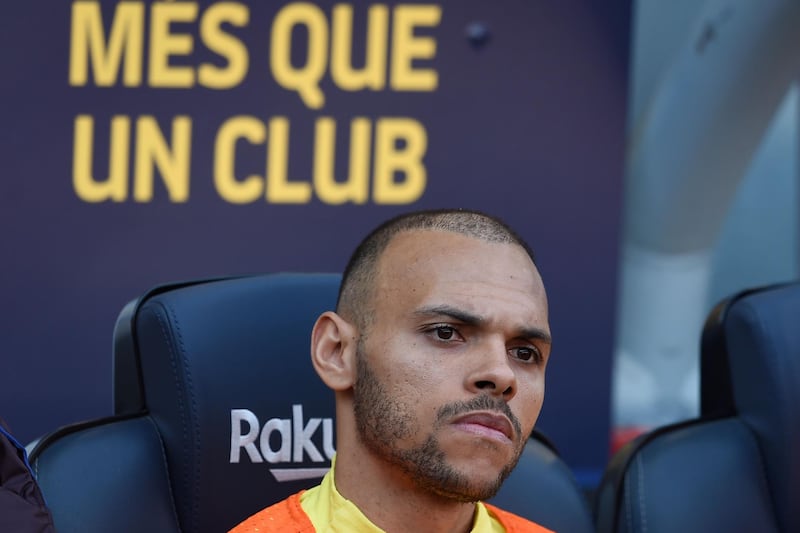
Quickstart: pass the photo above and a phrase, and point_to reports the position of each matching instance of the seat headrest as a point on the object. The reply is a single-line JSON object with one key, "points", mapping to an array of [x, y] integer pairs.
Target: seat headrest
{"points": [[224, 370], [751, 368]]}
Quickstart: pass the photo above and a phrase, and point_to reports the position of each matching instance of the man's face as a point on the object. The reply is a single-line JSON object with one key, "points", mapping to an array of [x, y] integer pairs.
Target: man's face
{"points": [[450, 372]]}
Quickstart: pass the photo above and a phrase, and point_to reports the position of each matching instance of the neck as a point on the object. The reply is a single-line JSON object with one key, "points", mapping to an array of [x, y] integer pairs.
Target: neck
{"points": [[392, 501]]}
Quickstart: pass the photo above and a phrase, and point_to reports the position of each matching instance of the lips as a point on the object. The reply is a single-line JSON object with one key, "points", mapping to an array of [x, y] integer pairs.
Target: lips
{"points": [[488, 424]]}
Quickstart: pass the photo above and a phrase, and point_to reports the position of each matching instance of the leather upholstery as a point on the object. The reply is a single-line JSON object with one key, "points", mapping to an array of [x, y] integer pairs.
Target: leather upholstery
{"points": [[209, 350], [106, 475], [737, 467], [543, 489]]}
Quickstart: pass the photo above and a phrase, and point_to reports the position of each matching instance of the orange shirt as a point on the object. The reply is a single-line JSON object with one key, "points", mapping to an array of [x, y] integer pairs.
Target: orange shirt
{"points": [[289, 516]]}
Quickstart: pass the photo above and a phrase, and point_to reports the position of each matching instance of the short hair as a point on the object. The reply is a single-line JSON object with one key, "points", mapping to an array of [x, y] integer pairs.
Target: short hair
{"points": [[361, 270]]}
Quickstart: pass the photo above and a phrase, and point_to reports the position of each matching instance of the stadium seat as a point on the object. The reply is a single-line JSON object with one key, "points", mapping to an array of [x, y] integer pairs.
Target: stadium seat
{"points": [[218, 413], [736, 467], [542, 488]]}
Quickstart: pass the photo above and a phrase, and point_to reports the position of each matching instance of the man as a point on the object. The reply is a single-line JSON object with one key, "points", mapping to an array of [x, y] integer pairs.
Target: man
{"points": [[436, 354]]}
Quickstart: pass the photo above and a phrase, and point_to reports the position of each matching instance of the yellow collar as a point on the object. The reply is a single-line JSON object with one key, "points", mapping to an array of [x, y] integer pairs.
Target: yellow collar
{"points": [[330, 512]]}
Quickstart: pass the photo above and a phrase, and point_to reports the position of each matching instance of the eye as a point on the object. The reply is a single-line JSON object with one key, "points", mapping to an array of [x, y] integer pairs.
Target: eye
{"points": [[526, 354], [445, 333]]}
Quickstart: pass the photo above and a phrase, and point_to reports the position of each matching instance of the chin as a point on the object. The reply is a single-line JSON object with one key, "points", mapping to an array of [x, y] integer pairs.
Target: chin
{"points": [[470, 490], [473, 479]]}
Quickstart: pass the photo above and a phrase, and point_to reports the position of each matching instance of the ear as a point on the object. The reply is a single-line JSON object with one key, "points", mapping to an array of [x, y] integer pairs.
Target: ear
{"points": [[333, 350]]}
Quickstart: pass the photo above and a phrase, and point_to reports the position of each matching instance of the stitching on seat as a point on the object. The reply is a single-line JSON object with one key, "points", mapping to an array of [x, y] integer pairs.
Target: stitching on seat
{"points": [[762, 468], [757, 322], [768, 342], [767, 488], [166, 470], [642, 514], [181, 410], [192, 415]]}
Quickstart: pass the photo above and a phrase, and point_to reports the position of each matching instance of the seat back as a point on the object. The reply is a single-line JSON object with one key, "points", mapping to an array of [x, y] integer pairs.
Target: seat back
{"points": [[737, 467], [219, 413], [227, 380]]}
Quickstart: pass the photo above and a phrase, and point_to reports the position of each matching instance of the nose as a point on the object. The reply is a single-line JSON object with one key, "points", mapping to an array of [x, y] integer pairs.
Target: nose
{"points": [[491, 372]]}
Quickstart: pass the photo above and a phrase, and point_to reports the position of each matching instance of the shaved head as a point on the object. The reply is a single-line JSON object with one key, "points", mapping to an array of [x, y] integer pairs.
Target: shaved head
{"points": [[355, 301]]}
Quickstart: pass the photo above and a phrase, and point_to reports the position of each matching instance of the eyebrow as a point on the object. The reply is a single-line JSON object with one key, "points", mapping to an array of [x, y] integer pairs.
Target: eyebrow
{"points": [[471, 319]]}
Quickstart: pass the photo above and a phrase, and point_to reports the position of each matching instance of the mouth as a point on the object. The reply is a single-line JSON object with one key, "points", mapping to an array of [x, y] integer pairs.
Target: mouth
{"points": [[486, 424]]}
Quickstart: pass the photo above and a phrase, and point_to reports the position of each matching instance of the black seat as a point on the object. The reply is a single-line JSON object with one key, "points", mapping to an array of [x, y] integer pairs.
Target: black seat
{"points": [[542, 488], [737, 467], [218, 413]]}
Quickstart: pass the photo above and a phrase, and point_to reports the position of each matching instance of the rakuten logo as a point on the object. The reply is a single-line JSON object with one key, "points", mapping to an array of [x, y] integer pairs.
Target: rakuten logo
{"points": [[294, 438]]}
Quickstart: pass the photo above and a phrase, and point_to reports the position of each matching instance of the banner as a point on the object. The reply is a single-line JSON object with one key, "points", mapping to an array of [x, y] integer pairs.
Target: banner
{"points": [[146, 142]]}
